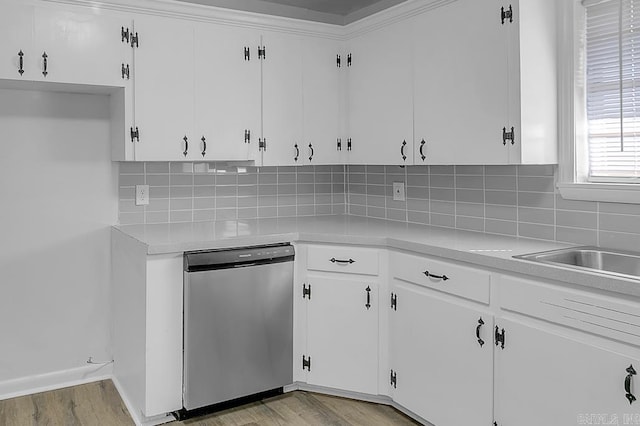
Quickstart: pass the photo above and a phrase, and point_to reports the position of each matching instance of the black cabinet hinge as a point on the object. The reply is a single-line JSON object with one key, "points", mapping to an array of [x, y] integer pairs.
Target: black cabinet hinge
{"points": [[247, 54], [306, 291], [338, 61], [508, 136], [125, 72], [124, 35], [306, 363], [349, 60], [134, 40], [349, 144], [499, 337], [394, 301], [393, 379], [262, 144], [247, 136], [135, 134], [506, 14], [262, 52], [339, 144]]}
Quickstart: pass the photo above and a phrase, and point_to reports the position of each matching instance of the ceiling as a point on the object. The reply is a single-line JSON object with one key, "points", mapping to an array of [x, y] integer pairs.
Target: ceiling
{"points": [[340, 12]]}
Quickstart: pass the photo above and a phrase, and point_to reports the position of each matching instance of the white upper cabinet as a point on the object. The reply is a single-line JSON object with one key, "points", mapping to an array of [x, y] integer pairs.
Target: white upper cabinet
{"points": [[81, 47], [380, 93], [227, 93], [17, 55], [282, 114], [533, 81], [460, 80], [321, 77], [164, 90]]}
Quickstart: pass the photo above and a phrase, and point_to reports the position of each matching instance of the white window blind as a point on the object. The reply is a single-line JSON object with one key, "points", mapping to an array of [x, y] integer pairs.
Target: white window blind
{"points": [[613, 77]]}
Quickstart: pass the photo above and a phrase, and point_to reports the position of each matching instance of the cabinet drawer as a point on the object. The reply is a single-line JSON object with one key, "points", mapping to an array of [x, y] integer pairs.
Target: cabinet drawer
{"points": [[447, 277], [346, 260], [602, 315]]}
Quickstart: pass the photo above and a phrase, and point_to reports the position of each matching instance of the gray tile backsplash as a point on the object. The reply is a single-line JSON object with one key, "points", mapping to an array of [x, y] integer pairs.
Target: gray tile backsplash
{"points": [[194, 192], [508, 200]]}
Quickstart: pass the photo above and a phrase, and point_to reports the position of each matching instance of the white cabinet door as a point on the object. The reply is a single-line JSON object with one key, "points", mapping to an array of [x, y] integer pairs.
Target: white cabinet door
{"points": [[80, 47], [164, 90], [380, 86], [546, 379], [342, 333], [442, 372], [227, 96], [282, 99], [321, 101], [460, 79], [16, 49]]}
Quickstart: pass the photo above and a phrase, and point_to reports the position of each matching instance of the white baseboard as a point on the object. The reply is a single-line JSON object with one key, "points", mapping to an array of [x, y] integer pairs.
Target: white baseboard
{"points": [[55, 380], [138, 418]]}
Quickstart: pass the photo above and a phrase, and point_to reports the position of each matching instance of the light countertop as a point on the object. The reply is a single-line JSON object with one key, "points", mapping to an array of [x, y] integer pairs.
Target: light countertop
{"points": [[484, 250]]}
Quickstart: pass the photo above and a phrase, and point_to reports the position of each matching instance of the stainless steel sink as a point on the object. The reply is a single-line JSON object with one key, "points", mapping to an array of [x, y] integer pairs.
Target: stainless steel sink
{"points": [[614, 262]]}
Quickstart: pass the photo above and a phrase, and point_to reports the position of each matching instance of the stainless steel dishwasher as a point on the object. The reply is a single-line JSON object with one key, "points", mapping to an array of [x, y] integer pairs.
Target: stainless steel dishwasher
{"points": [[238, 323]]}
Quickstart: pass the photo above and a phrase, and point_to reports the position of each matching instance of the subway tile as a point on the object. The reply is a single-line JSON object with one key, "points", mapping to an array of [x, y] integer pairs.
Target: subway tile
{"points": [[470, 195], [541, 232], [501, 212], [157, 167], [417, 170], [322, 178], [470, 223], [305, 188], [576, 219], [536, 170], [587, 237], [441, 170], [287, 200], [323, 209], [618, 240], [183, 168], [376, 201], [418, 205], [375, 190], [534, 215], [375, 169], [535, 199], [338, 188], [127, 168], [204, 203], [338, 209], [338, 168], [268, 170], [359, 199], [245, 191], [469, 170], [442, 181], [397, 215], [204, 215], [356, 169], [357, 189], [585, 206], [503, 227], [267, 201], [500, 170], [226, 179], [129, 206], [337, 198], [305, 178], [226, 191], [181, 180], [418, 192], [357, 210], [127, 193], [287, 169], [181, 192], [322, 188], [244, 202], [131, 180], [620, 208], [306, 210], [444, 220], [248, 179], [267, 212], [158, 180], [442, 207], [267, 179], [267, 190], [181, 204], [360, 178], [156, 217], [392, 204], [620, 223], [377, 212], [536, 184], [287, 211], [322, 169], [418, 180], [248, 213], [375, 179], [287, 178], [323, 198], [470, 182], [226, 202], [158, 192], [156, 205], [204, 180], [441, 194], [226, 214], [390, 179], [204, 191], [418, 217], [181, 216], [287, 188], [501, 183], [305, 199], [470, 209], [397, 170]]}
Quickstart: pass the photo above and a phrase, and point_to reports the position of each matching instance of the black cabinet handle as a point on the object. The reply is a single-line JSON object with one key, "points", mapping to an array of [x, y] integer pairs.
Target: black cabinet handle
{"points": [[21, 61], [297, 152], [368, 304], [311, 154], [439, 277], [404, 157], [627, 384], [422, 144], [45, 64], [204, 146], [334, 260], [480, 324], [186, 146]]}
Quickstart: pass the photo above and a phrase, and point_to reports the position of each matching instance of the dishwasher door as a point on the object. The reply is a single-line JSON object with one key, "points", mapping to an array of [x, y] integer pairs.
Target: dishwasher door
{"points": [[238, 332]]}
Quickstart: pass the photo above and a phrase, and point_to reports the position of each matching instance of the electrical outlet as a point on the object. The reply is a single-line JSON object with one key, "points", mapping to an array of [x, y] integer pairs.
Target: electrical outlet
{"points": [[398, 191], [142, 195]]}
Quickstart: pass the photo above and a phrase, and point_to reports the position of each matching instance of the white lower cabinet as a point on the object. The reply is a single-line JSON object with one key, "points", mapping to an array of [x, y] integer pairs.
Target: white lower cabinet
{"points": [[441, 357]]}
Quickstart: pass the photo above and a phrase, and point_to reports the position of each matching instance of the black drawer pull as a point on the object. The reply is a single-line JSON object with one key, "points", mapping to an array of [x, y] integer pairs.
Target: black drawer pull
{"points": [[422, 143], [627, 384], [204, 146], [45, 61], [480, 324], [21, 60], [368, 304], [334, 260], [186, 146], [439, 277]]}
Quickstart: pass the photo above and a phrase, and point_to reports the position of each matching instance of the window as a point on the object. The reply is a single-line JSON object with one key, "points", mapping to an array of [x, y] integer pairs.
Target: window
{"points": [[612, 65]]}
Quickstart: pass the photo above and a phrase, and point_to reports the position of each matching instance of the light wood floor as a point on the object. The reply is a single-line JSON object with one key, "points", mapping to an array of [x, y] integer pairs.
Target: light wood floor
{"points": [[99, 404]]}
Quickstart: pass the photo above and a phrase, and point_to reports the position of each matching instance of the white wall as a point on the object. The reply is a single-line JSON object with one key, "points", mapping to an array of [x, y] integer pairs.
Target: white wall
{"points": [[58, 198]]}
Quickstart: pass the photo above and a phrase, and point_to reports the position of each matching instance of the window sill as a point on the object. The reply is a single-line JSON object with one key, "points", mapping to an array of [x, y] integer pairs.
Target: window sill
{"points": [[604, 192]]}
